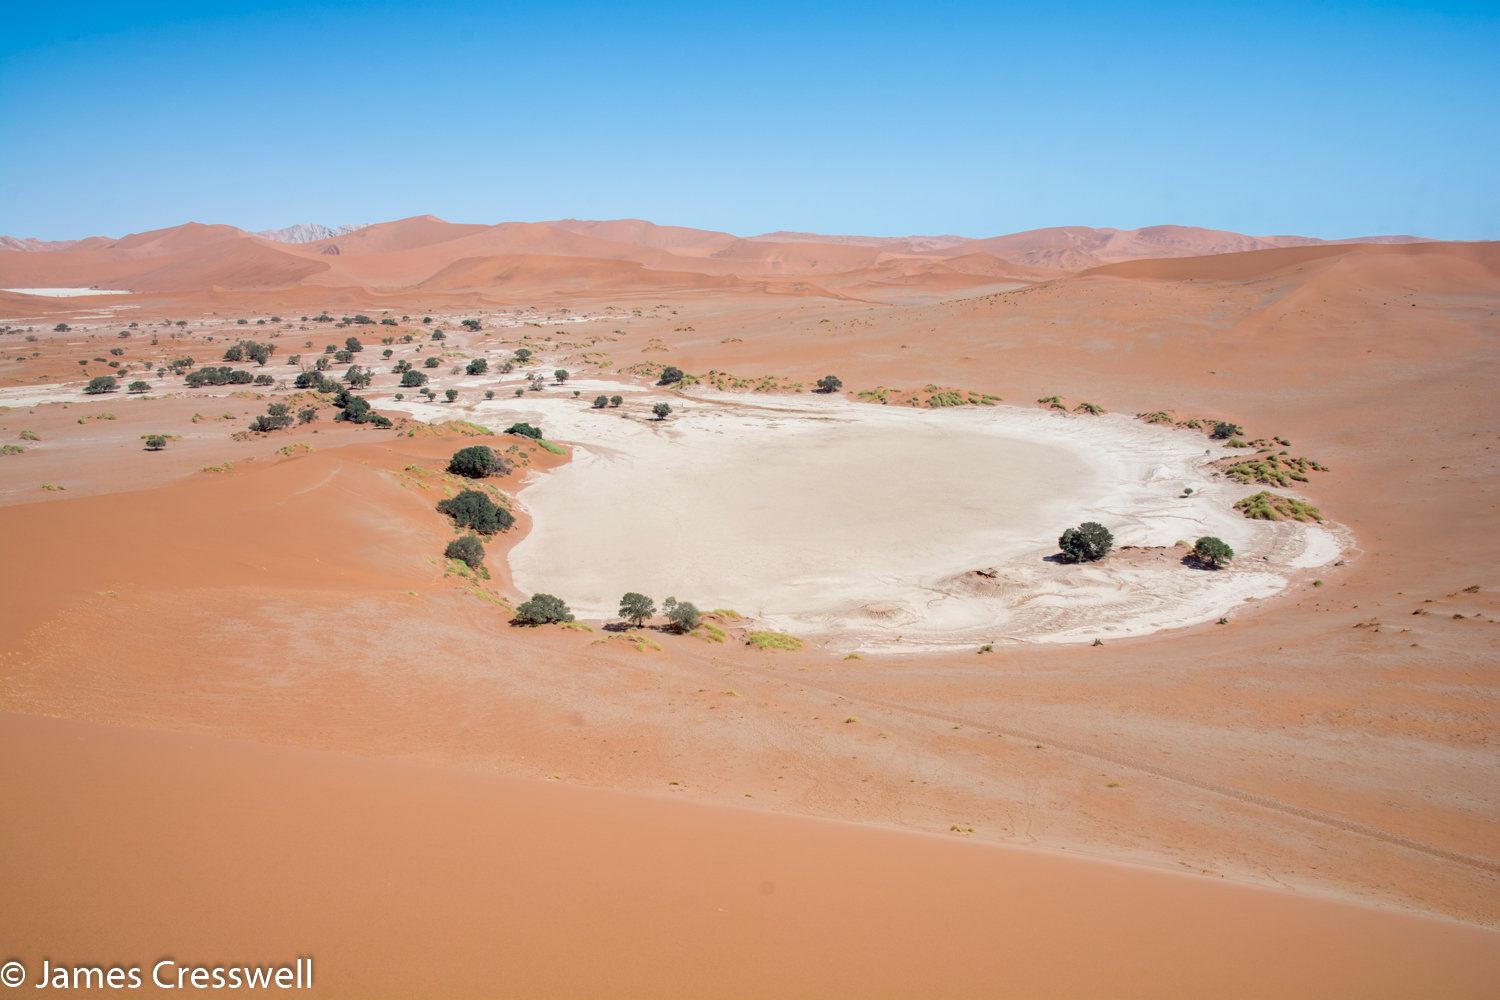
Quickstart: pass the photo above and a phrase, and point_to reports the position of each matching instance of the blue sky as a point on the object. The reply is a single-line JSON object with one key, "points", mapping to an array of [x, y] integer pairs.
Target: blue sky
{"points": [[1320, 119]]}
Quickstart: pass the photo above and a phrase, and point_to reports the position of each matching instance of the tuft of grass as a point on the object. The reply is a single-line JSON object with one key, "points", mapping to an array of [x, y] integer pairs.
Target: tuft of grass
{"points": [[987, 648], [555, 449], [854, 656], [1317, 583], [581, 625], [852, 718], [732, 693], [1093, 408], [1268, 506], [1113, 784], [52, 486], [112, 593], [30, 436], [714, 633], [226, 467], [12, 449], [726, 613], [773, 640], [965, 830]]}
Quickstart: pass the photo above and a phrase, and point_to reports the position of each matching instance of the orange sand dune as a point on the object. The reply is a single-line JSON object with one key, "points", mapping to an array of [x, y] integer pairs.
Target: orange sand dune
{"points": [[389, 237], [1473, 259], [640, 233], [564, 275], [1152, 241], [1061, 258], [230, 263], [402, 880]]}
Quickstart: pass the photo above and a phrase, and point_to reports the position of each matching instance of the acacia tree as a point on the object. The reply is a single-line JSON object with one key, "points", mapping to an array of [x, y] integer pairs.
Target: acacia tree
{"points": [[682, 614], [636, 608], [561, 375], [543, 609], [829, 383], [1213, 551], [477, 367], [1088, 542], [661, 410], [600, 402], [477, 462], [616, 400], [670, 374]]}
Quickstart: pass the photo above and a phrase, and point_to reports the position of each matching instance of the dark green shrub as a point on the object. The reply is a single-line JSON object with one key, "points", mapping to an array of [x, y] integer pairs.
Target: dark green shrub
{"points": [[472, 325], [468, 550], [1224, 429], [156, 442], [264, 380], [137, 386], [474, 509], [616, 400], [439, 335], [477, 367], [525, 430], [522, 355], [636, 608], [1213, 551], [670, 374], [431, 362], [353, 345], [683, 616], [307, 380], [1086, 543], [61, 328], [101, 383], [118, 351], [411, 378], [661, 410], [307, 415], [600, 402], [543, 609], [451, 394], [561, 375], [829, 383], [476, 462]]}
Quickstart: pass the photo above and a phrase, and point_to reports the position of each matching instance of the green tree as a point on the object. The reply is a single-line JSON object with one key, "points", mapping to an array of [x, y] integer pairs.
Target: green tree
{"points": [[477, 367], [412, 378], [670, 374], [543, 609], [1088, 542], [451, 394], [101, 383], [61, 328], [616, 400], [474, 509], [471, 325], [661, 410], [307, 415], [525, 430], [600, 402], [156, 442], [683, 616], [829, 383], [353, 345], [468, 550], [523, 355], [561, 375], [636, 608], [1213, 551], [476, 462], [137, 386], [431, 362]]}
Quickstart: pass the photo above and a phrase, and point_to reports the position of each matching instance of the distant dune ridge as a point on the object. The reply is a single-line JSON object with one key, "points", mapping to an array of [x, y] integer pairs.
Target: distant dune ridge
{"points": [[425, 251]]}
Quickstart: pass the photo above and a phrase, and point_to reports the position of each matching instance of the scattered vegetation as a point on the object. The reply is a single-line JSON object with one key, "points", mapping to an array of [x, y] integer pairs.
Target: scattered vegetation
{"points": [[30, 436], [829, 383], [1223, 429], [1088, 542], [1272, 469], [1268, 506], [661, 410], [277, 416], [1093, 408], [104, 383], [156, 442]]}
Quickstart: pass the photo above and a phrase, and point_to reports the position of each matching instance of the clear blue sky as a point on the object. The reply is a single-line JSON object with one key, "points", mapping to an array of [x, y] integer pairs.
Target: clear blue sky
{"points": [[1320, 119]]}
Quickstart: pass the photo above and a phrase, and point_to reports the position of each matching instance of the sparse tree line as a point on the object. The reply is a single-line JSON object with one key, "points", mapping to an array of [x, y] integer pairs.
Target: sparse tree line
{"points": [[1092, 541]]}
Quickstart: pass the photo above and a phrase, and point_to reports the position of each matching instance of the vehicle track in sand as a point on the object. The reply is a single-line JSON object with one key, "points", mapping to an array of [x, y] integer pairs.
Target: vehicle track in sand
{"points": [[1085, 750]]}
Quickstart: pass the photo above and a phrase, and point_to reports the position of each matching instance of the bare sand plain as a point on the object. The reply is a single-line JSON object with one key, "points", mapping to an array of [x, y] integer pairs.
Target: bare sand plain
{"points": [[1333, 741]]}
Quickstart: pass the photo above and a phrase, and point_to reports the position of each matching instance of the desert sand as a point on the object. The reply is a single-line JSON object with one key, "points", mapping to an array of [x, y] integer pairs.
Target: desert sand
{"points": [[269, 672]]}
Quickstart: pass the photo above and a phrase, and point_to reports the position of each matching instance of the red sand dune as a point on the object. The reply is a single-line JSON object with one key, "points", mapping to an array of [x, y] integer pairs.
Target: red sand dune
{"points": [[402, 880], [564, 275], [638, 232]]}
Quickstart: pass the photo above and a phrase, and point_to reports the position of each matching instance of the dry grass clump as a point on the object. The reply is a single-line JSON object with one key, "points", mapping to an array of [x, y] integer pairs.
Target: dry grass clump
{"points": [[773, 640], [1268, 506], [1272, 469]]}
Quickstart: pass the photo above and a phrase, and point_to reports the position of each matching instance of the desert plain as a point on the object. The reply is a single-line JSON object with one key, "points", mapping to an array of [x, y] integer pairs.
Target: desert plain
{"points": [[254, 714]]}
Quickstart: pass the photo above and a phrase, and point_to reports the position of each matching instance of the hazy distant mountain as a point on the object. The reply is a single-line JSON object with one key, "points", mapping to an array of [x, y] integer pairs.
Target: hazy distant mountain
{"points": [[307, 232], [912, 242], [32, 244]]}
